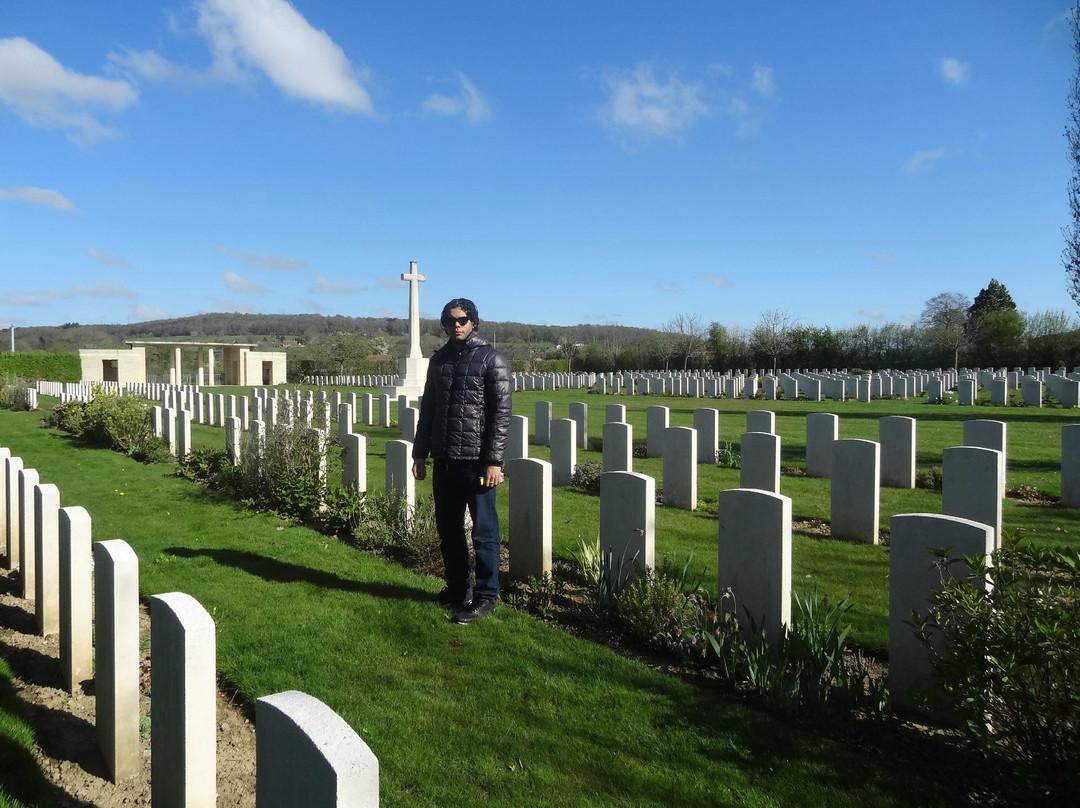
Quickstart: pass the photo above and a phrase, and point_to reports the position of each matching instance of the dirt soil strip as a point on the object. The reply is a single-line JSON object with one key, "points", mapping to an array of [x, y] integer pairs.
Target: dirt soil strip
{"points": [[64, 726]]}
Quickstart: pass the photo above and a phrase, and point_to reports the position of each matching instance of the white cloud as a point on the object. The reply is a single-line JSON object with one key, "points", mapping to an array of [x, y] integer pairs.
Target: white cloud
{"points": [[921, 160], [153, 66], [39, 196], [873, 314], [222, 304], [44, 93], [764, 82], [22, 299], [657, 107], [468, 102], [955, 71], [141, 312], [108, 258], [258, 260], [102, 289], [336, 287], [390, 283], [242, 284], [667, 287], [272, 37], [717, 280]]}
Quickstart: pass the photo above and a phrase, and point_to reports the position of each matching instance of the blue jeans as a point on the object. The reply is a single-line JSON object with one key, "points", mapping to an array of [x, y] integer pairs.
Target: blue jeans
{"points": [[455, 485]]}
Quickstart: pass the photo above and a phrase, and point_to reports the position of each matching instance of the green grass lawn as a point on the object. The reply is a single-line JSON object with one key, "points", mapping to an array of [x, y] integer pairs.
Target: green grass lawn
{"points": [[835, 568], [505, 712]]}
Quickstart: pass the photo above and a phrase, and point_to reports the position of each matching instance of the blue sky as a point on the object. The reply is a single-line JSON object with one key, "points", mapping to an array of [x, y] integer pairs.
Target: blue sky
{"points": [[558, 163]]}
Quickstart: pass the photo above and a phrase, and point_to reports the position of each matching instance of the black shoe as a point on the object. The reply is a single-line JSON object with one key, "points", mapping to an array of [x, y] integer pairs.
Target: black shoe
{"points": [[477, 609], [454, 598]]}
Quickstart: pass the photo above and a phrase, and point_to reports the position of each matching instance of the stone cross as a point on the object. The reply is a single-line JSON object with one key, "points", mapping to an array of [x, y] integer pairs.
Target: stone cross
{"points": [[414, 278]]}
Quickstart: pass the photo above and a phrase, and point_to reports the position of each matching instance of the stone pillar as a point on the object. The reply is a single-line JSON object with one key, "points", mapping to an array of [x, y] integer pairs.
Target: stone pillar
{"points": [[76, 597], [896, 434], [563, 450], [759, 465], [913, 578], [517, 444], [305, 754], [530, 518], [761, 421], [657, 420], [354, 461], [707, 426], [542, 413], [627, 525], [579, 413], [680, 468], [399, 480], [855, 482], [46, 540], [971, 486], [183, 693], [754, 556], [822, 430], [24, 545], [116, 675], [618, 449]]}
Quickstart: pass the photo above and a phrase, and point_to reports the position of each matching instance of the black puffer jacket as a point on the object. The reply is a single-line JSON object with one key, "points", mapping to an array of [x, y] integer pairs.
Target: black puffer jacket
{"points": [[465, 408]]}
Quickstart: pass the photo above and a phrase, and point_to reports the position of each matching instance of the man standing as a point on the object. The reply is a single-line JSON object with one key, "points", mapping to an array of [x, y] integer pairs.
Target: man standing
{"points": [[464, 423]]}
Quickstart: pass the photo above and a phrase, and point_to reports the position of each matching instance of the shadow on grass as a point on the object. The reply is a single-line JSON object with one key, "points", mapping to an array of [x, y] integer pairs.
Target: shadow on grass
{"points": [[270, 569]]}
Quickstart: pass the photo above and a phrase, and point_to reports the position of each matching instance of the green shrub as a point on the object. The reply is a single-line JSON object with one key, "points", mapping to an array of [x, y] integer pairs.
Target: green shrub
{"points": [[69, 417], [408, 538], [114, 422], [284, 473], [929, 479], [727, 457], [1007, 660], [211, 467], [586, 476], [14, 393]]}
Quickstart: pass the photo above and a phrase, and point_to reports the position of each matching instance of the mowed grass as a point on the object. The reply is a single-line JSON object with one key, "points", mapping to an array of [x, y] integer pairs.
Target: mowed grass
{"points": [[506, 712], [835, 568]]}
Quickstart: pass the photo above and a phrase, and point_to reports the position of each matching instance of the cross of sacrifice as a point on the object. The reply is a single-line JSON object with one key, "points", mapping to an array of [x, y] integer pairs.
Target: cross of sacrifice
{"points": [[415, 279]]}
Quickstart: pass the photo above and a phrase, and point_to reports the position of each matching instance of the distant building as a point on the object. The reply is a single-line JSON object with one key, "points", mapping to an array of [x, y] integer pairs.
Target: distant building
{"points": [[239, 363]]}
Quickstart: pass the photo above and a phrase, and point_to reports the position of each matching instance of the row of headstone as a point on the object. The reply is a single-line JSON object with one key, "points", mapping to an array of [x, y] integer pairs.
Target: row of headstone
{"points": [[305, 753]]}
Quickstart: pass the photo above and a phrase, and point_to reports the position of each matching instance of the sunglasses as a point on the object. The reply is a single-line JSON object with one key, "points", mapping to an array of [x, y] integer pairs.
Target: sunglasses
{"points": [[459, 320]]}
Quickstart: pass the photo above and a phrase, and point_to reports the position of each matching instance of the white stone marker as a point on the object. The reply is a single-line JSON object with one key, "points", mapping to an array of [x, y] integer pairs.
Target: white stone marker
{"points": [[5, 453], [354, 461], [305, 754], [680, 468], [1070, 466], [579, 414], [399, 480], [614, 412], [913, 578], [46, 510], [232, 440], [168, 429], [618, 450], [14, 466], [707, 426], [408, 418], [367, 417], [116, 675], [155, 420], [563, 450], [854, 500], [183, 693], [822, 430], [384, 410], [26, 554], [759, 465], [257, 440], [530, 517], [627, 525], [542, 412], [183, 433], [76, 597], [517, 444], [219, 409], [761, 421], [896, 434], [989, 435], [657, 420], [318, 438], [1032, 391], [345, 420], [971, 486], [754, 556]]}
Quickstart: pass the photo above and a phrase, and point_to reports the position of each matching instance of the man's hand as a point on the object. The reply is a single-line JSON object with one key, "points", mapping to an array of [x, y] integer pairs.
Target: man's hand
{"points": [[493, 476], [419, 469]]}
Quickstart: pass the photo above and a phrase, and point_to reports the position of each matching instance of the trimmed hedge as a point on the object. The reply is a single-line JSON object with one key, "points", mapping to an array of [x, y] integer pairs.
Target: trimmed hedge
{"points": [[54, 367]]}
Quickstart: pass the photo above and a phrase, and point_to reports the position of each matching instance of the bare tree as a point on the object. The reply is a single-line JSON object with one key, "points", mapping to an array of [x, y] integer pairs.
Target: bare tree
{"points": [[569, 347], [771, 334], [944, 316], [688, 334]]}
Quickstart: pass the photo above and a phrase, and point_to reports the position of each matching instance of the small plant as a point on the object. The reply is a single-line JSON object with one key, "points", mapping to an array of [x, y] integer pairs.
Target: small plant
{"points": [[639, 449], [537, 596], [929, 479], [727, 457], [586, 476]]}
